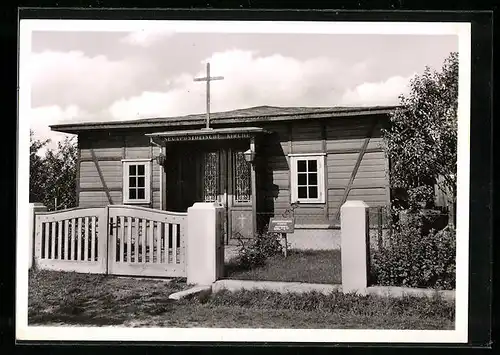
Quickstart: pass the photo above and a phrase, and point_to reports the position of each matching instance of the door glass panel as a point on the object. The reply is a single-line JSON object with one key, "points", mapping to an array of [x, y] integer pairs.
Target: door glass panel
{"points": [[210, 176], [241, 170]]}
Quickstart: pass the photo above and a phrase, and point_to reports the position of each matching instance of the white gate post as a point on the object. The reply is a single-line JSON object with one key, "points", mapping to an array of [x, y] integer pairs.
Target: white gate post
{"points": [[354, 231], [205, 249], [34, 208]]}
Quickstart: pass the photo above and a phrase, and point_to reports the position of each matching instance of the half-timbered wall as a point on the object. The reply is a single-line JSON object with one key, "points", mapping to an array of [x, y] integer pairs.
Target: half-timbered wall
{"points": [[342, 140], [100, 181]]}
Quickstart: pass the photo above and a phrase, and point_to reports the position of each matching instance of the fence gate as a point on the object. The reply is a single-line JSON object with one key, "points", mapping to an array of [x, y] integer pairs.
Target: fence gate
{"points": [[119, 240], [146, 242], [71, 240]]}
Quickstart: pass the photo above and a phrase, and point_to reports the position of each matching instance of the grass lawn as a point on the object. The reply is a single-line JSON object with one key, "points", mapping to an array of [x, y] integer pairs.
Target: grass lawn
{"points": [[312, 266], [57, 298]]}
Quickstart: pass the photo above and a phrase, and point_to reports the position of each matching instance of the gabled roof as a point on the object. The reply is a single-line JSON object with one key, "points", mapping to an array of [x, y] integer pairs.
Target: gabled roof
{"points": [[243, 116]]}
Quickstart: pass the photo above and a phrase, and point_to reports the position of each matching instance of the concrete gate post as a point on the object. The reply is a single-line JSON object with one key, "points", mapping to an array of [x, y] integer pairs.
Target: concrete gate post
{"points": [[354, 231], [34, 208], [205, 248]]}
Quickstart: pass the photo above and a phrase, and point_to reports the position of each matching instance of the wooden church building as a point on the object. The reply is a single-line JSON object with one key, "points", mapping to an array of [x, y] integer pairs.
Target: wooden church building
{"points": [[256, 162]]}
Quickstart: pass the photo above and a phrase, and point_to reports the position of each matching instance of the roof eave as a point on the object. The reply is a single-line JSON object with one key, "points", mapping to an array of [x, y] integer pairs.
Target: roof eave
{"points": [[162, 122]]}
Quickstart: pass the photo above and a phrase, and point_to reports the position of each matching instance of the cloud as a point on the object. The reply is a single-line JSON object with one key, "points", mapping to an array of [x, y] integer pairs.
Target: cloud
{"points": [[381, 93], [99, 89], [68, 78], [251, 80], [42, 117], [146, 37]]}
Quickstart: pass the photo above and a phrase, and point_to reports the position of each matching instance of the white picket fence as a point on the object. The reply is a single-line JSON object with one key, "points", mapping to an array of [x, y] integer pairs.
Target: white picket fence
{"points": [[120, 240]]}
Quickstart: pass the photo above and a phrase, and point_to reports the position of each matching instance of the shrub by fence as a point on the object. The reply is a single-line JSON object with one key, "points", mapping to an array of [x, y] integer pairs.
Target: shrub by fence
{"points": [[416, 255]]}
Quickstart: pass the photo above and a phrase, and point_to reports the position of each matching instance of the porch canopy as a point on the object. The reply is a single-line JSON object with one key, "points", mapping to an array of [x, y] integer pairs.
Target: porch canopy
{"points": [[205, 134]]}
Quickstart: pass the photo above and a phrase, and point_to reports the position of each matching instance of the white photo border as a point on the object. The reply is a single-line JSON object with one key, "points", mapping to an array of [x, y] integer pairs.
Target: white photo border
{"points": [[42, 333]]}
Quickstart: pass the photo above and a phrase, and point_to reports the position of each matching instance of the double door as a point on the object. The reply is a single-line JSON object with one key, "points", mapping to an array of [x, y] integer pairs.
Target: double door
{"points": [[222, 175], [227, 180]]}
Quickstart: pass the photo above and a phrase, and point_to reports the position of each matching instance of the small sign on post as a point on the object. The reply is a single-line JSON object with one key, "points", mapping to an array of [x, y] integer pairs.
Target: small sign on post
{"points": [[283, 226]]}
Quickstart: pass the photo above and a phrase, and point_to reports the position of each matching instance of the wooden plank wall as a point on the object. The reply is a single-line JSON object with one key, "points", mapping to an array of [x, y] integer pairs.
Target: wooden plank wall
{"points": [[107, 174], [341, 140]]}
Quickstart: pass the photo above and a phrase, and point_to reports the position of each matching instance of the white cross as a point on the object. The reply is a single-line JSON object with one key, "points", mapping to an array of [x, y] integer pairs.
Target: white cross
{"points": [[241, 219], [208, 79]]}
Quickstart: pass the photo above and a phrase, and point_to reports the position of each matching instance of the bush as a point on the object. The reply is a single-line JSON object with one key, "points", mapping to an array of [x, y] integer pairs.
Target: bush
{"points": [[414, 257], [259, 249]]}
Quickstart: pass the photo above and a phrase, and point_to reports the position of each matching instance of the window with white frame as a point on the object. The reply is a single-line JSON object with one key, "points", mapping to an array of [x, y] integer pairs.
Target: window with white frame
{"points": [[307, 178], [136, 181]]}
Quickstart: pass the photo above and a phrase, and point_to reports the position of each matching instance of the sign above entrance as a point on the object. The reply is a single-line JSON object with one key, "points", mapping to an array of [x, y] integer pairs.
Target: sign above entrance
{"points": [[281, 225], [206, 137], [203, 135]]}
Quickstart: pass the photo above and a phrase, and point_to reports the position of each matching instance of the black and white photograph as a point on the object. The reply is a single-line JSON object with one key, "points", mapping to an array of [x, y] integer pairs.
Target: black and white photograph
{"points": [[243, 181]]}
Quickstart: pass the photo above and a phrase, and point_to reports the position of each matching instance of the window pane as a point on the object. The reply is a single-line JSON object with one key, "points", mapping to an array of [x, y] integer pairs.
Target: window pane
{"points": [[132, 169], [141, 182], [301, 165], [313, 179], [313, 192], [140, 194], [302, 179], [140, 170], [302, 192], [312, 166], [132, 194], [132, 182]]}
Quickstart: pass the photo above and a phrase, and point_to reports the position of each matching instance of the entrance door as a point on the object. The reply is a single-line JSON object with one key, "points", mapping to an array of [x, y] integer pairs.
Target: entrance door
{"points": [[226, 180]]}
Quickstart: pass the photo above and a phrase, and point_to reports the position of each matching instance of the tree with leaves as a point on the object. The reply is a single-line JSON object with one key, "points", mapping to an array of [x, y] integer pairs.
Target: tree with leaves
{"points": [[38, 173], [53, 176], [421, 139]]}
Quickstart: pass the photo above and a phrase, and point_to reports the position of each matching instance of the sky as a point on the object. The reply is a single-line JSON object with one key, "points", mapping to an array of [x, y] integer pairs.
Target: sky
{"points": [[105, 76]]}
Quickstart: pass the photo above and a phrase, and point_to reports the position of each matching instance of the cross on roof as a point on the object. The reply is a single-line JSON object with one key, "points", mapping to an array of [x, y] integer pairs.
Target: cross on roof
{"points": [[208, 79]]}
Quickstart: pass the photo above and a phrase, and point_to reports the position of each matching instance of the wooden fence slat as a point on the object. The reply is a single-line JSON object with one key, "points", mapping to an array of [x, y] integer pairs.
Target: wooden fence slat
{"points": [[73, 239], [166, 248], [136, 241], [121, 235], [113, 230], [66, 236], [129, 239], [79, 240], [143, 240], [151, 237], [92, 239], [46, 241], [159, 234], [53, 240], [38, 238], [59, 239], [174, 243], [87, 236]]}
